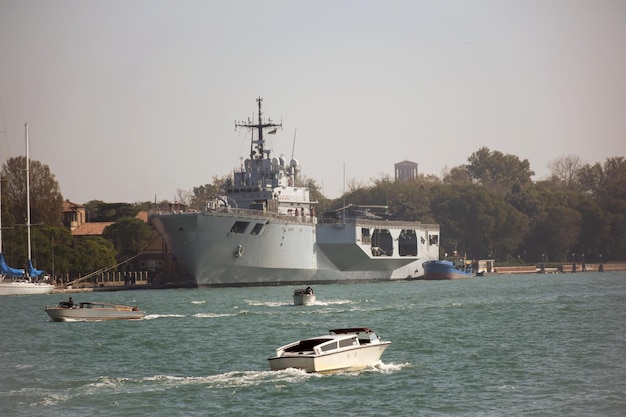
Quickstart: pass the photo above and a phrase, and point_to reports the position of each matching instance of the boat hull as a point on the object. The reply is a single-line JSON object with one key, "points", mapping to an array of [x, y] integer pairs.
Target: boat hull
{"points": [[359, 358], [92, 314], [286, 250], [444, 270], [25, 288], [304, 299]]}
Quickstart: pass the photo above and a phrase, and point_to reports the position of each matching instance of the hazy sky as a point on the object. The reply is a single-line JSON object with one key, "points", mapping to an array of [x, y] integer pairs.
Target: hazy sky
{"points": [[128, 100]]}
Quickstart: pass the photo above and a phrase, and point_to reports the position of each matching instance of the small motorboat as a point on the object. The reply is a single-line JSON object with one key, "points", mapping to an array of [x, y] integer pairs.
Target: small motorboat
{"points": [[350, 349], [68, 310], [304, 297]]}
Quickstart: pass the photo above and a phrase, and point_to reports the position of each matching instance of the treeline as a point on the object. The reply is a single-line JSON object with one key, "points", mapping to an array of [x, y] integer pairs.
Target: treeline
{"points": [[487, 208], [52, 246], [491, 208]]}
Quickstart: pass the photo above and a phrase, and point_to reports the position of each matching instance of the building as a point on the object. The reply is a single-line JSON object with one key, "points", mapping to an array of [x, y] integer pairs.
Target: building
{"points": [[155, 260], [73, 215], [405, 170]]}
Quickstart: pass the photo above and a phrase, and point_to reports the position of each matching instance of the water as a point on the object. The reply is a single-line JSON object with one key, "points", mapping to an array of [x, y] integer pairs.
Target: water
{"points": [[526, 345]]}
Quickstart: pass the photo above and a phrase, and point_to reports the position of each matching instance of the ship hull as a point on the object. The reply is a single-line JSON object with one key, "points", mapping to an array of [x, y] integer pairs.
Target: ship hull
{"points": [[444, 270], [24, 288], [235, 247]]}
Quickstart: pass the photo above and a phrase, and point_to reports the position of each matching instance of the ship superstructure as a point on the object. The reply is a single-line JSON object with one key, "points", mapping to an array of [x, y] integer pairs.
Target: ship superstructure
{"points": [[264, 230]]}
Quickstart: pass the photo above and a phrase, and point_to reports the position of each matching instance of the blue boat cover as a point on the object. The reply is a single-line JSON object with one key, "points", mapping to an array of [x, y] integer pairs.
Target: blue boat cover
{"points": [[32, 272], [5, 269]]}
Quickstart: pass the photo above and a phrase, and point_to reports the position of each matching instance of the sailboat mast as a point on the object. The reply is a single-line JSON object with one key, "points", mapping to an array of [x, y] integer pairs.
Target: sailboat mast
{"points": [[27, 191]]}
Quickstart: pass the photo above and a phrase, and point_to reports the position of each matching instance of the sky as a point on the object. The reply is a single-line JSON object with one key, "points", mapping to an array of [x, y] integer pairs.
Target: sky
{"points": [[134, 100]]}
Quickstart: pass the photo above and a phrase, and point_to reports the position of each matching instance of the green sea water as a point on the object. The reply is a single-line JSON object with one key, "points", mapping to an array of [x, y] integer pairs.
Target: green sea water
{"points": [[503, 345]]}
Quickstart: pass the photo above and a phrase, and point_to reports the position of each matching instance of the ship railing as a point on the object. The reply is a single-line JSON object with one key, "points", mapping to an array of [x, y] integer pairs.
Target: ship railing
{"points": [[381, 224], [232, 212], [360, 222]]}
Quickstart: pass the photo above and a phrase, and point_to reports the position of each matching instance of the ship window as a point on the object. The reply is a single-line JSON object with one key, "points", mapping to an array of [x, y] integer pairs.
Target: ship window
{"points": [[330, 346], [365, 235], [239, 227], [142, 264], [347, 342], [407, 243], [256, 229], [382, 243], [159, 264], [433, 239]]}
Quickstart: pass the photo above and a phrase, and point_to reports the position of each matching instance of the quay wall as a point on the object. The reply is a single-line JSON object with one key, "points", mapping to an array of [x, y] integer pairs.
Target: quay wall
{"points": [[567, 268]]}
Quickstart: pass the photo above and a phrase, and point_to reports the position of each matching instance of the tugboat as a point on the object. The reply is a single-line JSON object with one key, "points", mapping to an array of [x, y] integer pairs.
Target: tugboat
{"points": [[455, 267]]}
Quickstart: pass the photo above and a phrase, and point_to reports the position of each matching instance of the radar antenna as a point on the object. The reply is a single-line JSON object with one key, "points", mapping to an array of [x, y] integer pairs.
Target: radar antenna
{"points": [[257, 147]]}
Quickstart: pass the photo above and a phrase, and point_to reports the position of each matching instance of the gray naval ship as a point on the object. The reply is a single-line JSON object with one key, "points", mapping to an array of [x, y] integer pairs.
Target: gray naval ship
{"points": [[263, 230]]}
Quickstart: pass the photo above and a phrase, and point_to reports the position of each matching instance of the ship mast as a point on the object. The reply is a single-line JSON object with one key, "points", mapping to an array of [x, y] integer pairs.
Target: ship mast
{"points": [[259, 144]]}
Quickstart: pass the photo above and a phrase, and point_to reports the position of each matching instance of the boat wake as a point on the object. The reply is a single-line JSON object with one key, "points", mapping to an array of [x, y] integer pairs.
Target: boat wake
{"points": [[332, 302], [162, 316], [106, 386], [216, 315], [389, 368], [232, 379], [267, 303], [274, 304]]}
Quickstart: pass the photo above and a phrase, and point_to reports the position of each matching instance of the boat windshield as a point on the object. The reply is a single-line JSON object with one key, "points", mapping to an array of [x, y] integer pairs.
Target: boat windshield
{"points": [[306, 345]]}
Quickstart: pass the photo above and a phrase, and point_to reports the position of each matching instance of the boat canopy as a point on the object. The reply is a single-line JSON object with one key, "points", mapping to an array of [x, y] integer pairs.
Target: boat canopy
{"points": [[32, 272], [350, 330], [6, 270]]}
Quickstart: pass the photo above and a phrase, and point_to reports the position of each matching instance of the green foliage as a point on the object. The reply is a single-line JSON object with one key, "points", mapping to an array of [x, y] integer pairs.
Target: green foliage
{"points": [[202, 194], [499, 172], [129, 236], [93, 253], [99, 211], [46, 201], [477, 221]]}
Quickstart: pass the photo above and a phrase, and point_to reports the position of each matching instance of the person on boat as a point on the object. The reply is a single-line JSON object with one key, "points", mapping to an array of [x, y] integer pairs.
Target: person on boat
{"points": [[66, 304], [309, 290]]}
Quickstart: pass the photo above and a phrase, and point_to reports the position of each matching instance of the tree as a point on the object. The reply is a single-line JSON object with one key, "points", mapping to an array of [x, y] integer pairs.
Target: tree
{"points": [[499, 172], [93, 253], [457, 176], [565, 171], [99, 211], [129, 236], [614, 178], [46, 201], [595, 230], [560, 231], [204, 193], [477, 221]]}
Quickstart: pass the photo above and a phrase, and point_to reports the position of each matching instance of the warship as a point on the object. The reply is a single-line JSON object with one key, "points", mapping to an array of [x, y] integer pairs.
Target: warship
{"points": [[263, 230]]}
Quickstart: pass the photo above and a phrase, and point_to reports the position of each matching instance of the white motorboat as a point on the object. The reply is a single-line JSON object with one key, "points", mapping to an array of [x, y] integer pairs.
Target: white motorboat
{"points": [[67, 310], [304, 297], [350, 349]]}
